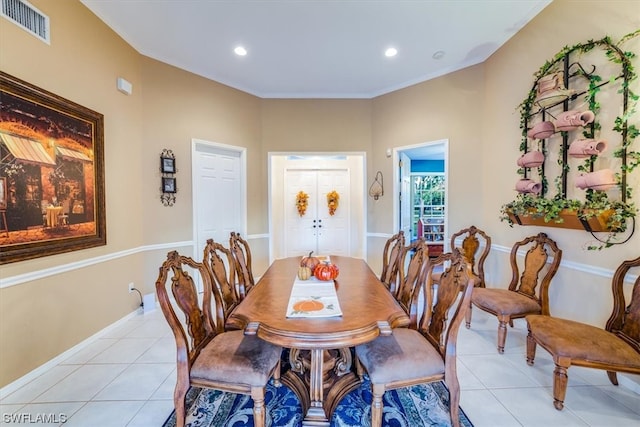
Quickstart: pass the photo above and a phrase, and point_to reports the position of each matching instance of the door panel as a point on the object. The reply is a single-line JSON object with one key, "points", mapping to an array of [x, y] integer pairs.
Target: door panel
{"points": [[217, 195], [300, 230], [405, 196], [333, 231], [317, 230]]}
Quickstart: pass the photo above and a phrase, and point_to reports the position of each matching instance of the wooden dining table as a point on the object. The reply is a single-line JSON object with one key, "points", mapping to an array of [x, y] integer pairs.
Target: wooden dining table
{"points": [[320, 348]]}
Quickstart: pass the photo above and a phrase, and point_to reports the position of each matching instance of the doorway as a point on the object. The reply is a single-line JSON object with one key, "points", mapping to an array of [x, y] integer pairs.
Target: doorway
{"points": [[318, 229], [317, 175], [414, 163]]}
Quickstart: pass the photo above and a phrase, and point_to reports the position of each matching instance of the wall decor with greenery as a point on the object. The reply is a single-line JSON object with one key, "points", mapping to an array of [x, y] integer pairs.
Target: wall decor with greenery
{"points": [[578, 126]]}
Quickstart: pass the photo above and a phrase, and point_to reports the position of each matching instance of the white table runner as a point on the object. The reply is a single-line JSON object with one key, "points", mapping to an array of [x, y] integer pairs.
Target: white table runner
{"points": [[313, 298]]}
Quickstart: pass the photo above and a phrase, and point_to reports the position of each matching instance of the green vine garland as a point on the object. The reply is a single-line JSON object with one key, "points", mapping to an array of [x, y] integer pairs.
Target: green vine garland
{"points": [[595, 201]]}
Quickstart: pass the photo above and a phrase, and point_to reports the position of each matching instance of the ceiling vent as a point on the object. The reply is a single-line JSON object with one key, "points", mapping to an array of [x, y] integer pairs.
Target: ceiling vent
{"points": [[27, 17]]}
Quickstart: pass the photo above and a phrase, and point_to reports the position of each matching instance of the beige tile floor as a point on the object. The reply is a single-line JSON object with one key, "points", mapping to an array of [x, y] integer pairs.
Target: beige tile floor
{"points": [[126, 378]]}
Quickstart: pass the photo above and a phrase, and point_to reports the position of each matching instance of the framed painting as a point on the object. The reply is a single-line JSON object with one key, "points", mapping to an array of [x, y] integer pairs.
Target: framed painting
{"points": [[52, 173]]}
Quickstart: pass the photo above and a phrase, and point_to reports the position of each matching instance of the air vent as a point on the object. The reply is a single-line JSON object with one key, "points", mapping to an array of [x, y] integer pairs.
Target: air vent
{"points": [[27, 17]]}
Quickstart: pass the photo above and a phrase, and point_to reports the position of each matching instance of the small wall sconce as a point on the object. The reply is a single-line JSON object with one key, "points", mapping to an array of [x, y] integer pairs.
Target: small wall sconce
{"points": [[377, 186], [168, 187]]}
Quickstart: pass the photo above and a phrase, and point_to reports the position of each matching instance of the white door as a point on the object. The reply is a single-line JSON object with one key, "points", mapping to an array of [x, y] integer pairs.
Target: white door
{"points": [[317, 230], [218, 194], [405, 196]]}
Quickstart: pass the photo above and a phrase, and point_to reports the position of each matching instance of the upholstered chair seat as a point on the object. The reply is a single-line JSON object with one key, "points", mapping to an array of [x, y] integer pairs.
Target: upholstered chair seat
{"points": [[245, 358], [503, 302], [565, 338], [407, 349]]}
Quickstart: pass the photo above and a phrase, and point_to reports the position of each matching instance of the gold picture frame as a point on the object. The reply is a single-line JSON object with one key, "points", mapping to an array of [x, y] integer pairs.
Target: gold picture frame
{"points": [[52, 165]]}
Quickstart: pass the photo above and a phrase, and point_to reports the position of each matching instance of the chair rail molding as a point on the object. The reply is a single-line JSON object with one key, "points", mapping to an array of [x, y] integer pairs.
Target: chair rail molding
{"points": [[6, 282], [571, 265]]}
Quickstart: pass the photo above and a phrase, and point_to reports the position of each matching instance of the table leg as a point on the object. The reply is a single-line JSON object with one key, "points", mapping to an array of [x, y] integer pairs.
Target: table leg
{"points": [[316, 415], [320, 378]]}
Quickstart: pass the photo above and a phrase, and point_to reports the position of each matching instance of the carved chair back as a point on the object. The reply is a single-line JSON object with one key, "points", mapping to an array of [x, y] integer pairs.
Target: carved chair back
{"points": [[473, 240], [390, 254], [625, 319], [242, 258], [536, 262], [200, 325], [444, 306], [207, 355], [412, 273], [220, 264]]}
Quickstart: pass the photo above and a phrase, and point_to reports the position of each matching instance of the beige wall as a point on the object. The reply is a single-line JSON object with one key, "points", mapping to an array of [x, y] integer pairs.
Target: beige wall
{"points": [[444, 108], [475, 109], [42, 318]]}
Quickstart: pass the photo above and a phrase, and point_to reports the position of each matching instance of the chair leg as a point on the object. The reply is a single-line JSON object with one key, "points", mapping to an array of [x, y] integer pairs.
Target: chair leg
{"points": [[376, 405], [502, 333], [179, 396], [613, 377], [467, 316], [276, 375], [257, 394], [359, 368], [531, 349], [560, 380], [454, 402]]}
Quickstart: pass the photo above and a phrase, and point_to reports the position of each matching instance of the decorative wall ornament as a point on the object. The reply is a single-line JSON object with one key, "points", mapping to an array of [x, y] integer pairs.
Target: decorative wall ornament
{"points": [[168, 186], [605, 194], [333, 199], [377, 186], [302, 201]]}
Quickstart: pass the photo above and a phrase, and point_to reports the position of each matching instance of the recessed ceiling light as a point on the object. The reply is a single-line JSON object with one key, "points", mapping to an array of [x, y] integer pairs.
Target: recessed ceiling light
{"points": [[392, 51], [438, 55], [240, 51]]}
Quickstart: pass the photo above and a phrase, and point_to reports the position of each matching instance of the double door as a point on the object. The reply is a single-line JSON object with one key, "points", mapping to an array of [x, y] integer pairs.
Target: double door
{"points": [[317, 230]]}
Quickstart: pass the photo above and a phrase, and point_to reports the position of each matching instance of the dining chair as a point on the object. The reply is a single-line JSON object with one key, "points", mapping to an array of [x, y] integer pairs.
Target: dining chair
{"points": [[427, 354], [528, 293], [63, 216], [412, 266], [207, 356], [242, 259], [616, 348], [473, 240], [219, 261], [43, 210], [390, 254]]}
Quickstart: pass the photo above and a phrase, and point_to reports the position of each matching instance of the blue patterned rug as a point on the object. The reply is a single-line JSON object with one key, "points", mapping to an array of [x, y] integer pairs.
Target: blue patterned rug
{"points": [[422, 405]]}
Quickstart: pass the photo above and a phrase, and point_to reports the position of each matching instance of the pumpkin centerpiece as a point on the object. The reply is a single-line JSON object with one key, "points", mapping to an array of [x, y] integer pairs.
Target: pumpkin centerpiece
{"points": [[310, 261], [304, 272], [326, 271]]}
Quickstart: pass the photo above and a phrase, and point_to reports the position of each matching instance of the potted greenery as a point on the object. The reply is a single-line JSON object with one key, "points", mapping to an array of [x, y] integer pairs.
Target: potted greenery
{"points": [[596, 213]]}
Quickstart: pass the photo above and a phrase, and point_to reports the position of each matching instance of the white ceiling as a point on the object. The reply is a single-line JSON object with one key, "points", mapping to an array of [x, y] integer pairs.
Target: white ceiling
{"points": [[317, 48]]}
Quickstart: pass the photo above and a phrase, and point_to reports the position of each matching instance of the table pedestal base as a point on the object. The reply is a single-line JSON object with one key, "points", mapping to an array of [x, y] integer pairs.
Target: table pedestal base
{"points": [[320, 379]]}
